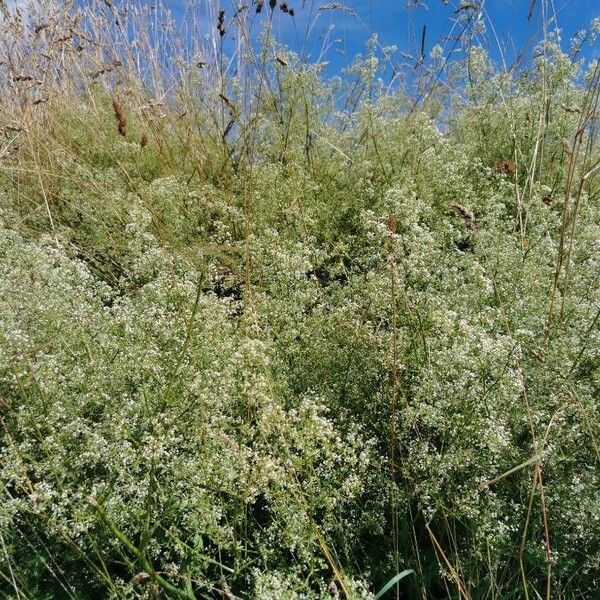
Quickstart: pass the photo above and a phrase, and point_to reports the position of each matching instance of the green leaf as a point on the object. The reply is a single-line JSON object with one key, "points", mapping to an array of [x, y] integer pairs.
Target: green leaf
{"points": [[395, 579]]}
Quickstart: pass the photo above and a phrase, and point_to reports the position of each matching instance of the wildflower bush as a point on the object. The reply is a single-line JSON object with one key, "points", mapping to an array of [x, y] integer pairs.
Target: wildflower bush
{"points": [[291, 338]]}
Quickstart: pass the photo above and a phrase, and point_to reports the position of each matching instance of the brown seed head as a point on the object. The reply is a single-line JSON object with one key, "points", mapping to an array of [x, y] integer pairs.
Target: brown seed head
{"points": [[221, 23], [120, 116], [392, 223], [505, 167], [144, 140], [465, 214]]}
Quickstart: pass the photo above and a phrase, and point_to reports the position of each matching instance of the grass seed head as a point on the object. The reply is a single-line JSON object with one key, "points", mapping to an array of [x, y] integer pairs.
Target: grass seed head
{"points": [[392, 223], [120, 116], [504, 167], [465, 214]]}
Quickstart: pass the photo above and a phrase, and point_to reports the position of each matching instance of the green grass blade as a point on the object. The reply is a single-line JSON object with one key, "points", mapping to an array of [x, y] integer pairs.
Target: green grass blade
{"points": [[395, 579]]}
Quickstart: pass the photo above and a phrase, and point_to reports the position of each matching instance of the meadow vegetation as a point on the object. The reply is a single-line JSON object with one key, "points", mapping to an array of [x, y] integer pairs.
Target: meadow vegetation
{"points": [[267, 334]]}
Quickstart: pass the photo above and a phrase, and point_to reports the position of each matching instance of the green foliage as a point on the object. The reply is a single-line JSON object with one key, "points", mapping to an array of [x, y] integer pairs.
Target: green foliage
{"points": [[287, 362]]}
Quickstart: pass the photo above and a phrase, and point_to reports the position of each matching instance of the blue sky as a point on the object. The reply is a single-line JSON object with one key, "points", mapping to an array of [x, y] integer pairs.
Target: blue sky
{"points": [[338, 35], [400, 24]]}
